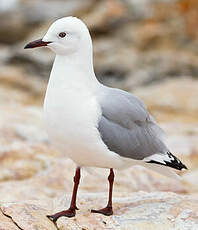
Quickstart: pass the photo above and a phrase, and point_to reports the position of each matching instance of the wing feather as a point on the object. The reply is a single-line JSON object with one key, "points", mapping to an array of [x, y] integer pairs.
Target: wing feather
{"points": [[127, 128]]}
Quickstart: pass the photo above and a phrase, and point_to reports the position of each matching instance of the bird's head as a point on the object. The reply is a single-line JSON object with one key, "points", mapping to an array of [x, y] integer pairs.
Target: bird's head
{"points": [[65, 36]]}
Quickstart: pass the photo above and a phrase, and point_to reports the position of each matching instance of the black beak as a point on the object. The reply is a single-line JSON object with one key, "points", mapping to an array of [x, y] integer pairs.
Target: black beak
{"points": [[37, 43]]}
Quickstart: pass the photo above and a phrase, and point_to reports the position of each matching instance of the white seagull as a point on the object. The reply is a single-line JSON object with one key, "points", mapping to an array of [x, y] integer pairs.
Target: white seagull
{"points": [[94, 125]]}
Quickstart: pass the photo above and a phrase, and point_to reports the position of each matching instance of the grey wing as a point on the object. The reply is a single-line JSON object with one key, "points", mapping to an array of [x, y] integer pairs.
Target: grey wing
{"points": [[126, 127]]}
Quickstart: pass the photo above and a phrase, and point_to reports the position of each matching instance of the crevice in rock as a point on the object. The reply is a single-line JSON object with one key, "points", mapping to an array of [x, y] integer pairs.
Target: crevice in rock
{"points": [[12, 220]]}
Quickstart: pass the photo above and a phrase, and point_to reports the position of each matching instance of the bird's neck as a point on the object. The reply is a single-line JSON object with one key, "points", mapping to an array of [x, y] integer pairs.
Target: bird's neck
{"points": [[74, 70]]}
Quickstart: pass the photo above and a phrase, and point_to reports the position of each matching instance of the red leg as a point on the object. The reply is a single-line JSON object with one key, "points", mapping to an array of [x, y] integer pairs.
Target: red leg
{"points": [[72, 209], [108, 210]]}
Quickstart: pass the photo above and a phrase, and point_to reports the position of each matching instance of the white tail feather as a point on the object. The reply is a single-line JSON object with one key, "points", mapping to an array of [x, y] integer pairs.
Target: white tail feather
{"points": [[165, 171]]}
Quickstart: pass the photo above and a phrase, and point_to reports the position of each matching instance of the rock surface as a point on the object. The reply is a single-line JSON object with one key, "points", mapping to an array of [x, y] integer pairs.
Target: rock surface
{"points": [[149, 34], [139, 211]]}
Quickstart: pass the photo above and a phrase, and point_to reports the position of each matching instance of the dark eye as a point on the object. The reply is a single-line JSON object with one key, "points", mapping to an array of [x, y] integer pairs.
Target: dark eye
{"points": [[62, 34]]}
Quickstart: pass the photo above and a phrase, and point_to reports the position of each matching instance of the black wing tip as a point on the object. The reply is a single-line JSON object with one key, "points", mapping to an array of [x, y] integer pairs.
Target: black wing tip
{"points": [[173, 163], [176, 165], [176, 162]]}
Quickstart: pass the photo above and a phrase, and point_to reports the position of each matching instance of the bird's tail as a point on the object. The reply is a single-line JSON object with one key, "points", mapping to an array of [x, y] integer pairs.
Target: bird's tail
{"points": [[166, 159], [165, 171], [157, 162]]}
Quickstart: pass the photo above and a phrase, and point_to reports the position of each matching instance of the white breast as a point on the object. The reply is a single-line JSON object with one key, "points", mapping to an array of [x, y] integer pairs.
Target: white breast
{"points": [[72, 113], [71, 116]]}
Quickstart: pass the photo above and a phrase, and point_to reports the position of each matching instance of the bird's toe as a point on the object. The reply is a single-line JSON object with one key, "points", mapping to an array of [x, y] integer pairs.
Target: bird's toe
{"points": [[67, 213], [108, 211]]}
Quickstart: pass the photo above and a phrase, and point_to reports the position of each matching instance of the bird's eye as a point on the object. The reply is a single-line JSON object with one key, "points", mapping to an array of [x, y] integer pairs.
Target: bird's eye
{"points": [[62, 34]]}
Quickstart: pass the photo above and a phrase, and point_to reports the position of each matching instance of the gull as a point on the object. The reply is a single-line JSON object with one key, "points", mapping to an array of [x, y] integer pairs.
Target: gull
{"points": [[95, 125]]}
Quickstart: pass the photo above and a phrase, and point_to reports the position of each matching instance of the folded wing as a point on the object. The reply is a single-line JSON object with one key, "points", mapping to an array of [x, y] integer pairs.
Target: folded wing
{"points": [[127, 128]]}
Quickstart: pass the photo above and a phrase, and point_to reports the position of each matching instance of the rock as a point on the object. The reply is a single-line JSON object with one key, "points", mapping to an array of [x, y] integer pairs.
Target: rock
{"points": [[104, 16], [191, 177], [26, 190], [19, 18], [175, 98], [6, 223], [5, 54], [131, 210], [28, 215], [154, 208], [18, 86], [148, 34], [187, 9]]}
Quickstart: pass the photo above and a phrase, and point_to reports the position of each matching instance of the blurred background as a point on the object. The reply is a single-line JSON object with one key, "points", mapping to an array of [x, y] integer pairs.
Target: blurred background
{"points": [[147, 47]]}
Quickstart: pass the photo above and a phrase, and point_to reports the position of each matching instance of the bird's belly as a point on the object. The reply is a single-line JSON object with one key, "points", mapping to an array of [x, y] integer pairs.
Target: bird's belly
{"points": [[72, 128]]}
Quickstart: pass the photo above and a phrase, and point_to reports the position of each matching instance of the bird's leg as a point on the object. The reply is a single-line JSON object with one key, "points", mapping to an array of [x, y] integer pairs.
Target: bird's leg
{"points": [[108, 210], [72, 209]]}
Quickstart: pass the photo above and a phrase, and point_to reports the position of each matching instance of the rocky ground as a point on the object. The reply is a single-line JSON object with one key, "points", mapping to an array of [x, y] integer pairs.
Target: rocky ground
{"points": [[155, 44]]}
